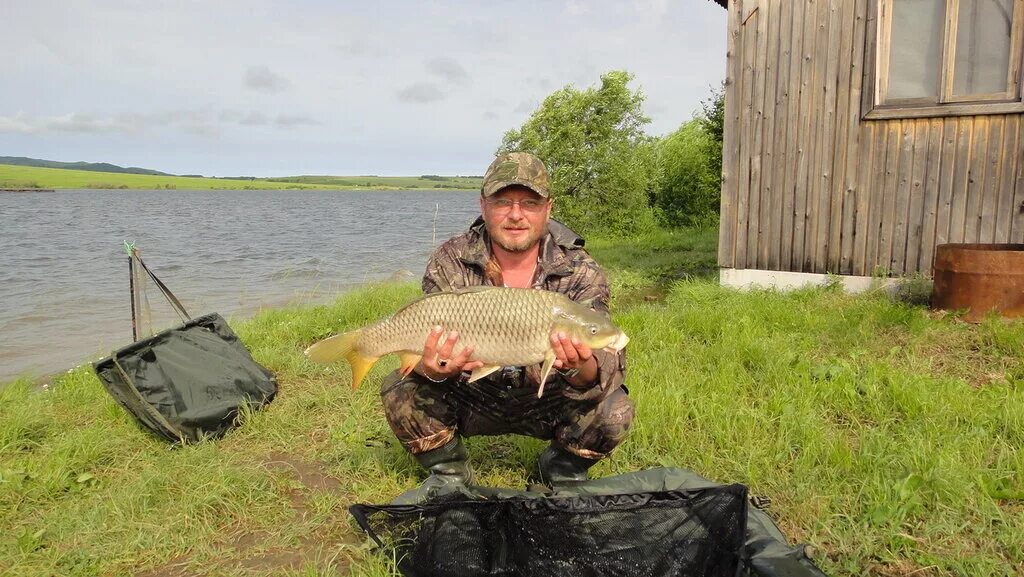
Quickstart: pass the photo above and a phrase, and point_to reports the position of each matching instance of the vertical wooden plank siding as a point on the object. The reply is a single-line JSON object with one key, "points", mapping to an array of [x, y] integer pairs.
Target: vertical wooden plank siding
{"points": [[1004, 207], [821, 151], [822, 225], [930, 204], [768, 164], [843, 206], [888, 216], [993, 170], [879, 163], [1017, 207], [898, 247], [945, 209], [976, 177], [757, 153], [843, 38], [810, 186], [960, 174], [916, 212], [782, 145], [796, 94], [862, 179], [797, 209], [749, 43], [730, 144]]}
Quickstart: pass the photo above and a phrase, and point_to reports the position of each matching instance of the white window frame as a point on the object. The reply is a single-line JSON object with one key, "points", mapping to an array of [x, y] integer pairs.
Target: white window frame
{"points": [[878, 38]]}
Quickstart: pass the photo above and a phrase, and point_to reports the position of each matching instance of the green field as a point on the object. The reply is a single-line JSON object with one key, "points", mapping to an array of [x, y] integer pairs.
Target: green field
{"points": [[417, 182], [887, 436], [12, 176]]}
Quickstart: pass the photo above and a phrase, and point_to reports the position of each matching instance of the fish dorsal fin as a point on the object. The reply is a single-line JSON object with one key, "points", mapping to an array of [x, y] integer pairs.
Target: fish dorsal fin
{"points": [[475, 289]]}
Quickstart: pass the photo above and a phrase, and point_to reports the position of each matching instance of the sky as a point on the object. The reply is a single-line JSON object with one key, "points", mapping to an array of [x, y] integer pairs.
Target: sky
{"points": [[260, 88]]}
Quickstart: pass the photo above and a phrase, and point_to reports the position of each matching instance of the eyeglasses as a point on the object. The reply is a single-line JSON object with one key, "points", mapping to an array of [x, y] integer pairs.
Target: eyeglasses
{"points": [[504, 205]]}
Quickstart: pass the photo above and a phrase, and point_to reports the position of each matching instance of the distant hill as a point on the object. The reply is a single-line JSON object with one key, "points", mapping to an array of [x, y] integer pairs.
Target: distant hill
{"points": [[90, 166]]}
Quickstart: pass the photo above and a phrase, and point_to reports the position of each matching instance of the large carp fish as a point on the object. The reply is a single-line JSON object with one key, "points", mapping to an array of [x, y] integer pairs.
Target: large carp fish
{"points": [[505, 326]]}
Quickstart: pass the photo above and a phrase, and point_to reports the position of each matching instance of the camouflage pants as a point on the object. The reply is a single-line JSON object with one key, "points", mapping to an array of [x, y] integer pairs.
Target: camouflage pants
{"points": [[426, 415]]}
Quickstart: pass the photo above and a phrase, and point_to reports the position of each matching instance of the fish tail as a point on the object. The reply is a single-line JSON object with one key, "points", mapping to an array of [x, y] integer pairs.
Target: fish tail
{"points": [[333, 348]]}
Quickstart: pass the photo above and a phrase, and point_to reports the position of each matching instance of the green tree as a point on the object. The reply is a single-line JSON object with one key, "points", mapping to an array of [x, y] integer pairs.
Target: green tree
{"points": [[602, 164], [688, 191], [712, 121]]}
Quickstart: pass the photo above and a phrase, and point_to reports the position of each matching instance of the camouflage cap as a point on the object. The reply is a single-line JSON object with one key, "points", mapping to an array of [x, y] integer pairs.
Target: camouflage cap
{"points": [[520, 168]]}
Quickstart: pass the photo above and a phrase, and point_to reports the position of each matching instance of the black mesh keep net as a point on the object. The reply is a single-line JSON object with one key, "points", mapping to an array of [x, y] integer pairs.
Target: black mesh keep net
{"points": [[697, 532]]}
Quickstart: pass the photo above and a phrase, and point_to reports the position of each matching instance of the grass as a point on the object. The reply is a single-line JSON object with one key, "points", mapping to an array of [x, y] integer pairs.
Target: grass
{"points": [[887, 436], [12, 176]]}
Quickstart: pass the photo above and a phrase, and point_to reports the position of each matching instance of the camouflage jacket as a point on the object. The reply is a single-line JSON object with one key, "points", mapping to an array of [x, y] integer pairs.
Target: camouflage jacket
{"points": [[564, 266]]}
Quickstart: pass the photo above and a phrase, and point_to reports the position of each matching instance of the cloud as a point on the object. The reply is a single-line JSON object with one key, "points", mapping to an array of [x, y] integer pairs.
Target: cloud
{"points": [[261, 79], [200, 122], [84, 123], [291, 121], [525, 106], [490, 115], [77, 122], [576, 8], [655, 108], [15, 125], [447, 68], [256, 118], [543, 83], [656, 8], [421, 93], [356, 48], [253, 119]]}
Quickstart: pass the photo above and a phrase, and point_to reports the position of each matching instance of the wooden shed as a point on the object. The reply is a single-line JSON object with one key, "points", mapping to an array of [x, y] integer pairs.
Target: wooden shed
{"points": [[860, 134]]}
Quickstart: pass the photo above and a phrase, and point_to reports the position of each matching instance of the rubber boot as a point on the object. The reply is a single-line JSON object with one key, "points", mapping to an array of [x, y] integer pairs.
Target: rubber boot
{"points": [[557, 466], [447, 463]]}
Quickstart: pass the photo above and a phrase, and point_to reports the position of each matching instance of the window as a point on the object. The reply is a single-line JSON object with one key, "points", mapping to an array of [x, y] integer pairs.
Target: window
{"points": [[947, 57]]}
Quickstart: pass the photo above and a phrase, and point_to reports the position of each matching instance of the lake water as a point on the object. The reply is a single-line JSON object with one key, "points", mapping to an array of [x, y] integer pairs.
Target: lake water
{"points": [[64, 296]]}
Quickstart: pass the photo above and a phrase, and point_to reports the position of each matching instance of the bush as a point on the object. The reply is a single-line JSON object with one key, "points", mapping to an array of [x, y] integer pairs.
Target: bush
{"points": [[688, 192], [601, 162]]}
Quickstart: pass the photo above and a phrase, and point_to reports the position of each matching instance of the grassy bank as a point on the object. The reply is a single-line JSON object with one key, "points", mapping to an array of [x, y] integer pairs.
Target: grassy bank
{"points": [[888, 437], [12, 176]]}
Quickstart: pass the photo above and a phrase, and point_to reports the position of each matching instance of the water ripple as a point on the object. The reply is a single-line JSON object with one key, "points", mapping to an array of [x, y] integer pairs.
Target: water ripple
{"points": [[64, 281]]}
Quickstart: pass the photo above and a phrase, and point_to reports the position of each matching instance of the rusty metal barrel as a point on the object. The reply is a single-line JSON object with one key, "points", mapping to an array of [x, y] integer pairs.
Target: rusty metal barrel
{"points": [[980, 278]]}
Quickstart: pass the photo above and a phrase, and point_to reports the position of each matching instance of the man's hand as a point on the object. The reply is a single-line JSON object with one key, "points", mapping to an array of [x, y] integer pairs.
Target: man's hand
{"points": [[438, 363], [572, 354]]}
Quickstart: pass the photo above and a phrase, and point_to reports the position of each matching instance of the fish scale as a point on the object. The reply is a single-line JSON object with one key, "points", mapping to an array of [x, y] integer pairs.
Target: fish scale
{"points": [[505, 326]]}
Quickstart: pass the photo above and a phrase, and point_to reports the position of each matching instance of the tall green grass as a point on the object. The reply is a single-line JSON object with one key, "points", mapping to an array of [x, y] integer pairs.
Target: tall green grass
{"points": [[887, 437]]}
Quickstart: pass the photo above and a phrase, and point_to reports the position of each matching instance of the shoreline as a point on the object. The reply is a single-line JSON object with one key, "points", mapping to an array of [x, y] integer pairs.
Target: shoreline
{"points": [[323, 188], [45, 378], [38, 178]]}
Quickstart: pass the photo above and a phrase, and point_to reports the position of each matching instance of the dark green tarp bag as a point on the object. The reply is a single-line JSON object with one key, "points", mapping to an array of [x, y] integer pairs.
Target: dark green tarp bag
{"points": [[188, 382], [656, 523]]}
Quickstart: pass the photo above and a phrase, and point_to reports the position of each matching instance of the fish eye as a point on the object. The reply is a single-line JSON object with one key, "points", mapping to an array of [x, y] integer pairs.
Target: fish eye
{"points": [[593, 329]]}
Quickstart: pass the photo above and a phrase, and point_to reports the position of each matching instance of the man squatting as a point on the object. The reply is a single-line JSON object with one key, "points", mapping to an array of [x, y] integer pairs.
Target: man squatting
{"points": [[514, 243]]}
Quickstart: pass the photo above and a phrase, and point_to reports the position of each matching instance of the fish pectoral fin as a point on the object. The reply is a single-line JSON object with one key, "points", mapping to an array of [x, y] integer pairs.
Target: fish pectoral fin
{"points": [[545, 370], [481, 372], [409, 361]]}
